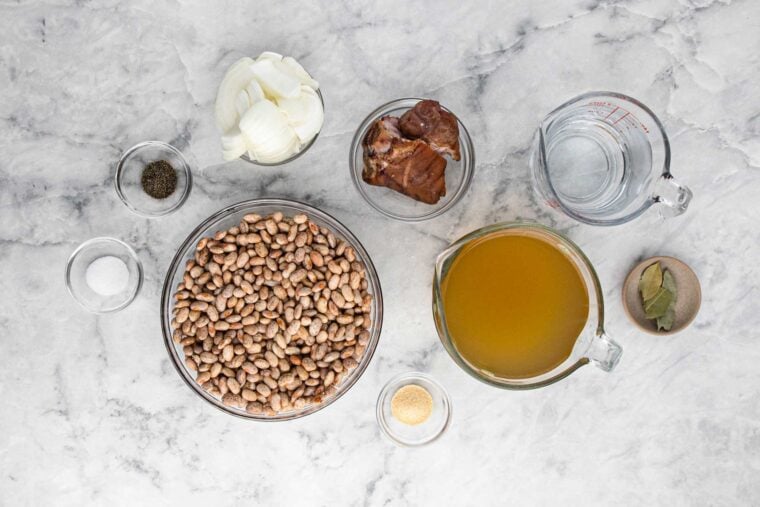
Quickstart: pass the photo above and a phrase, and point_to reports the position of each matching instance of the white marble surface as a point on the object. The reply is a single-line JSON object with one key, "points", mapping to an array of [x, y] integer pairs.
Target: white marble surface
{"points": [[93, 412]]}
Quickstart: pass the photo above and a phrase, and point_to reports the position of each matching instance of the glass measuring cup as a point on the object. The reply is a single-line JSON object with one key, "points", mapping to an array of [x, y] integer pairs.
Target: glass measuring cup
{"points": [[593, 344], [603, 158]]}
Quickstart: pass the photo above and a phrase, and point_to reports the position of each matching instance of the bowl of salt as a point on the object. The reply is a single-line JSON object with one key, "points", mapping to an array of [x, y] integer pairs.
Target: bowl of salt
{"points": [[104, 275]]}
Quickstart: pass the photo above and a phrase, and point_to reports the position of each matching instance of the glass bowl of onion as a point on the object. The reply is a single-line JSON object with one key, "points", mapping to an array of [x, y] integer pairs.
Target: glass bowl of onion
{"points": [[270, 110]]}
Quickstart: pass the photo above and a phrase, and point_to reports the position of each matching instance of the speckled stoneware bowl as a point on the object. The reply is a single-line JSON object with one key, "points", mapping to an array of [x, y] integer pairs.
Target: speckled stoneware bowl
{"points": [[687, 303]]}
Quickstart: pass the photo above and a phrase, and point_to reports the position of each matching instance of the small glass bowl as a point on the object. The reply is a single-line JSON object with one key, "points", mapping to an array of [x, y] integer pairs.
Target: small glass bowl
{"points": [[420, 434], [76, 271], [297, 154], [395, 204], [129, 172]]}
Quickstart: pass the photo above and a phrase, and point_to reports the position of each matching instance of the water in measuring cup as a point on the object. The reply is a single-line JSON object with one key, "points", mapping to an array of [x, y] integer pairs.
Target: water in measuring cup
{"points": [[598, 159]]}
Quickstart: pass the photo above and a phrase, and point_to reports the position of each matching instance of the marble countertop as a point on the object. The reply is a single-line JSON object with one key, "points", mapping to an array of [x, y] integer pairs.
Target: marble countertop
{"points": [[93, 411]]}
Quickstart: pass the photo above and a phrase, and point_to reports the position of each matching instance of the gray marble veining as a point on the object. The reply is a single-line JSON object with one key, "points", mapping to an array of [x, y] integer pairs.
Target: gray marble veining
{"points": [[93, 412]]}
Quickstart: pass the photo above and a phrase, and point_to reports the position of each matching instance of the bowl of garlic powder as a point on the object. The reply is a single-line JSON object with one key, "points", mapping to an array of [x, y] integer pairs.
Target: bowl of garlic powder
{"points": [[413, 409]]}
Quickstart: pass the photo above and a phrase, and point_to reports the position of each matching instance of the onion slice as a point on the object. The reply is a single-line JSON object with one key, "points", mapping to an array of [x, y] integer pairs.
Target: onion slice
{"points": [[233, 144], [269, 55], [242, 103], [305, 113], [274, 81], [267, 133], [290, 66], [235, 80], [255, 93]]}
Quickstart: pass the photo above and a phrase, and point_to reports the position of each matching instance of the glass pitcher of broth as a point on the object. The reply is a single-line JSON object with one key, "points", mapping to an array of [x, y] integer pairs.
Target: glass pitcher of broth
{"points": [[519, 306]]}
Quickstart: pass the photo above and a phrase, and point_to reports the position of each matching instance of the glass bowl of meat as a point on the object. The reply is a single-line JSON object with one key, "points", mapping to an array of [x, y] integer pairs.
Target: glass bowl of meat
{"points": [[412, 159]]}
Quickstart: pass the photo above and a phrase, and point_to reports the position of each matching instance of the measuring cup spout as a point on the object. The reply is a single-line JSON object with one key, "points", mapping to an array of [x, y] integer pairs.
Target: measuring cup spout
{"points": [[674, 197]]}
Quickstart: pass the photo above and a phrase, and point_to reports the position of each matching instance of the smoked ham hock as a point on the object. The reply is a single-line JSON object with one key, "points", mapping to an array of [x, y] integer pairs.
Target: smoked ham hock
{"points": [[434, 125], [407, 166], [405, 154]]}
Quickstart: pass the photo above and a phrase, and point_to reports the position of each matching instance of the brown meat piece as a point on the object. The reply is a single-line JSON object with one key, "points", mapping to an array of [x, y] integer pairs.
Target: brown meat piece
{"points": [[380, 136], [434, 125], [407, 166]]}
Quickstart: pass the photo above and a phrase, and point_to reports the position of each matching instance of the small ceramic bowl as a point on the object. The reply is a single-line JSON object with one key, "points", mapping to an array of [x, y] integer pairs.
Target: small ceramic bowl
{"points": [[76, 275], [407, 435], [687, 303], [395, 204], [129, 173]]}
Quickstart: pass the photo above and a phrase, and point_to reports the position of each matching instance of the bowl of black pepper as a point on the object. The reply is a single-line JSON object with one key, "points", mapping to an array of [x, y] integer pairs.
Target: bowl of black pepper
{"points": [[153, 179]]}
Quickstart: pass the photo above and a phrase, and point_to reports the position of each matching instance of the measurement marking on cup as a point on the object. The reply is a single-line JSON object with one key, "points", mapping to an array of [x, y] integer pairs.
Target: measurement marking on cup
{"points": [[616, 121], [592, 152]]}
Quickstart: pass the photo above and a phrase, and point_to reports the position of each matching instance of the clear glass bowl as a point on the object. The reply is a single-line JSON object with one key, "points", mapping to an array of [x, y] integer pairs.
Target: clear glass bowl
{"points": [[420, 434], [129, 172], [226, 218], [297, 154], [76, 272], [395, 204]]}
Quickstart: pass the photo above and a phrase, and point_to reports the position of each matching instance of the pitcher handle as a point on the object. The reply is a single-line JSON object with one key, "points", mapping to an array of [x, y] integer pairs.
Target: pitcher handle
{"points": [[674, 196], [605, 352]]}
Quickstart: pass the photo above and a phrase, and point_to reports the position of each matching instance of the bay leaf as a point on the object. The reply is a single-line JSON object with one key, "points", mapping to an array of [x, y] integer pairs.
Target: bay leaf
{"points": [[650, 281], [666, 321], [658, 304], [669, 283]]}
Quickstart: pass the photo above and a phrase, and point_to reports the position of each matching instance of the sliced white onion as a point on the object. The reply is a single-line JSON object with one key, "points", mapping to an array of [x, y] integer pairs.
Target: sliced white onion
{"points": [[305, 113], [279, 154], [273, 153], [274, 81], [236, 79], [269, 55], [233, 145], [267, 133], [291, 66], [267, 108], [263, 122], [242, 103], [255, 93]]}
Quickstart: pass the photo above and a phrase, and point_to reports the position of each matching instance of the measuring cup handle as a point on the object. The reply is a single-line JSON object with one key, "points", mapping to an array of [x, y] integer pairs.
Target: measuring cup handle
{"points": [[605, 352], [674, 197]]}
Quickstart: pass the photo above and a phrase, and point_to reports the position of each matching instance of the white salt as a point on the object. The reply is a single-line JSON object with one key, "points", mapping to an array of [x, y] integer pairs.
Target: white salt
{"points": [[107, 275]]}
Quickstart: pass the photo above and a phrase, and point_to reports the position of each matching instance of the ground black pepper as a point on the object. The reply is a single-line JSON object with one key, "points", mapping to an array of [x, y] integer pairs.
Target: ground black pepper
{"points": [[159, 179]]}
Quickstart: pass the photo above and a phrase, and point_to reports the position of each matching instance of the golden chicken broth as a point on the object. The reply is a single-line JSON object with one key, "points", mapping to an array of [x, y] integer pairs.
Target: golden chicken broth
{"points": [[514, 305]]}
